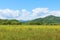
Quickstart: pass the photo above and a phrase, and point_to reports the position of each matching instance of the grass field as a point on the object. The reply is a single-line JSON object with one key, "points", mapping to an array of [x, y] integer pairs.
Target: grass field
{"points": [[29, 32]]}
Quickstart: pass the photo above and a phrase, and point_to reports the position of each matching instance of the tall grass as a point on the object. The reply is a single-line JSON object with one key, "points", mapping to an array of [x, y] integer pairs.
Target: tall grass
{"points": [[29, 32]]}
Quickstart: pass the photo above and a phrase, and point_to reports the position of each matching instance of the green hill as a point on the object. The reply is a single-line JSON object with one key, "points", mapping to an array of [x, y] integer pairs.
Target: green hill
{"points": [[49, 20], [9, 22]]}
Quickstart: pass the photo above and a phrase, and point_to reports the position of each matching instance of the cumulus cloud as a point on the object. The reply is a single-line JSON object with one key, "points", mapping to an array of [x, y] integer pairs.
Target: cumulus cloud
{"points": [[8, 13], [24, 15], [40, 12], [27, 15], [55, 13]]}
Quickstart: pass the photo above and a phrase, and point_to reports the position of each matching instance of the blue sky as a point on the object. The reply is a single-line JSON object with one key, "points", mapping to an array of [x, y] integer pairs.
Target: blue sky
{"points": [[28, 9], [30, 4]]}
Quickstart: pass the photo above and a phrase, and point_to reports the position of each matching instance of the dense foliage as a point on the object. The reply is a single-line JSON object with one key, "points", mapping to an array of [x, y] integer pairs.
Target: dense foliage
{"points": [[49, 20], [9, 22], [29, 32]]}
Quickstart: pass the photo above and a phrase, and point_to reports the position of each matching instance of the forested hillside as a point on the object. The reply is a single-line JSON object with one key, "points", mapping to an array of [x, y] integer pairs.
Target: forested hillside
{"points": [[9, 22], [49, 20]]}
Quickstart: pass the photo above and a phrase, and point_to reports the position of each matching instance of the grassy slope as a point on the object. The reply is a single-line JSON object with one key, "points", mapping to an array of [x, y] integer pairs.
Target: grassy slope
{"points": [[29, 32]]}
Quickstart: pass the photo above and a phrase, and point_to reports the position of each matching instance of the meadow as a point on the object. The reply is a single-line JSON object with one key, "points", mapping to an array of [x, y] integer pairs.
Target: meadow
{"points": [[29, 32]]}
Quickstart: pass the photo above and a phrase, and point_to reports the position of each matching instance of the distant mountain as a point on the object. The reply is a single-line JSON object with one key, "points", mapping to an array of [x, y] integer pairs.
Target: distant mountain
{"points": [[49, 20], [23, 20]]}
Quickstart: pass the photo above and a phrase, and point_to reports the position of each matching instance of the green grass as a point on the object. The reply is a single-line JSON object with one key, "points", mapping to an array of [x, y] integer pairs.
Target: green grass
{"points": [[29, 32]]}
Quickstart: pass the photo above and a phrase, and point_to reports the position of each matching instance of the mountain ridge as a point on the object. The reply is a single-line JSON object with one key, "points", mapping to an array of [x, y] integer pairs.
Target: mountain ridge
{"points": [[49, 20]]}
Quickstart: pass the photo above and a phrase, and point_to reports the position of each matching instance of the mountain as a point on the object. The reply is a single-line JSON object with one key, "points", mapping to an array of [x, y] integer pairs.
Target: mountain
{"points": [[49, 20], [23, 20]]}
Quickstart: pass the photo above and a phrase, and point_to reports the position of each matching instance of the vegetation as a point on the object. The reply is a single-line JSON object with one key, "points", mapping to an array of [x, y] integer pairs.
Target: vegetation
{"points": [[9, 22], [38, 29], [49, 20], [29, 32]]}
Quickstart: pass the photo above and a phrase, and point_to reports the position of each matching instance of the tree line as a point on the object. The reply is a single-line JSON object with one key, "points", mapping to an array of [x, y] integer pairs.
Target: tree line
{"points": [[50, 20]]}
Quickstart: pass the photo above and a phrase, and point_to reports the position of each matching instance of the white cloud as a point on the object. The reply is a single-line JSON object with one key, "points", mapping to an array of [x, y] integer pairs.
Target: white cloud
{"points": [[8, 13], [24, 15], [40, 12], [27, 15], [55, 13]]}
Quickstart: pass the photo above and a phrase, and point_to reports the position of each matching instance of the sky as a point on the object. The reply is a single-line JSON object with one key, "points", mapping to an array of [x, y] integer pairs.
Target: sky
{"points": [[28, 9]]}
